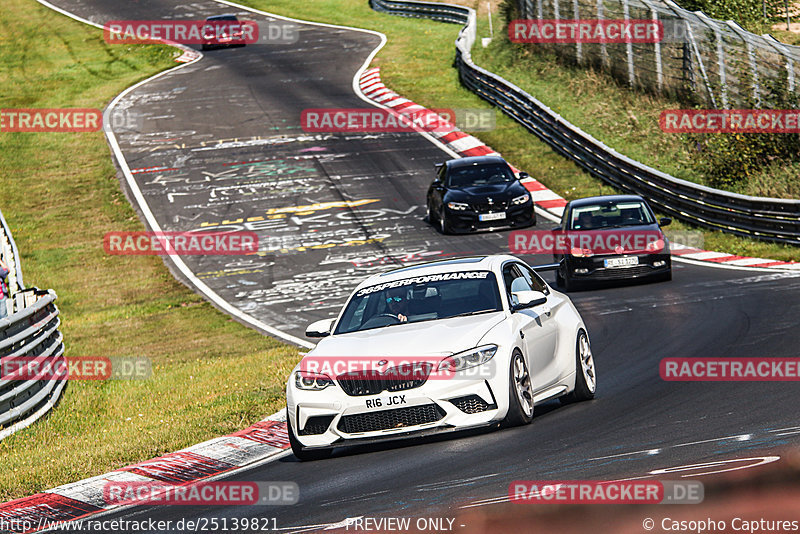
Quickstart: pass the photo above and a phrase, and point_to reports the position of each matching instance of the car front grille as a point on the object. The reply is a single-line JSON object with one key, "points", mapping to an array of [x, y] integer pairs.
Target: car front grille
{"points": [[361, 383], [316, 425], [485, 207], [386, 419], [472, 404]]}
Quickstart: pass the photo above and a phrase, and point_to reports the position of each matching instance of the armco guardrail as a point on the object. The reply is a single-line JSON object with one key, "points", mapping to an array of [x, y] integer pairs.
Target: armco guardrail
{"points": [[769, 219], [30, 332]]}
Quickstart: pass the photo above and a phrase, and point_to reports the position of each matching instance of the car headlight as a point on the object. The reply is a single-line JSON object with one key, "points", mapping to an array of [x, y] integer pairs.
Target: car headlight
{"points": [[521, 199], [457, 206], [311, 381], [467, 359], [655, 246]]}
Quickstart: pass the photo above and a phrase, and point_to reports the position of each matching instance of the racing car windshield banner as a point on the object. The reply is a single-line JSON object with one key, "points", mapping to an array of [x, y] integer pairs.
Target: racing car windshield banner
{"points": [[464, 275]]}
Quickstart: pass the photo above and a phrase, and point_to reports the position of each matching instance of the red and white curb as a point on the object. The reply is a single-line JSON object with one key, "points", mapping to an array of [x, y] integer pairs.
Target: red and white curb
{"points": [[204, 461], [466, 145]]}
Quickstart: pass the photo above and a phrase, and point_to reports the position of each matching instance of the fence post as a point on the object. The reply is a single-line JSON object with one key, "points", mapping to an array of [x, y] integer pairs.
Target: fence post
{"points": [[703, 72], [578, 49], [629, 46], [723, 79], [781, 49], [740, 32], [656, 50], [603, 46]]}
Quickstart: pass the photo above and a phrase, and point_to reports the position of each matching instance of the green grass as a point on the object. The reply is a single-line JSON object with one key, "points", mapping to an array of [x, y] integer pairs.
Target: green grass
{"points": [[60, 195]]}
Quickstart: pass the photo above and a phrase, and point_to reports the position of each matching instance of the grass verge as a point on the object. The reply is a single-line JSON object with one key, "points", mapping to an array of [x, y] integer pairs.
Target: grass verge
{"points": [[60, 195]]}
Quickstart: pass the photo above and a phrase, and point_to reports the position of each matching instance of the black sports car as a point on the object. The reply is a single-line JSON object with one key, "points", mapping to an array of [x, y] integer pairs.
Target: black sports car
{"points": [[612, 237], [478, 193]]}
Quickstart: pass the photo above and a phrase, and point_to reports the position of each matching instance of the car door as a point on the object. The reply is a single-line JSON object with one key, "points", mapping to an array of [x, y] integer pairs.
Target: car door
{"points": [[536, 326]]}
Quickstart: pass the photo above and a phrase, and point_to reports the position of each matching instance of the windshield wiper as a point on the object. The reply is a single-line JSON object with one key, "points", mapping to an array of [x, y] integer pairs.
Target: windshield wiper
{"points": [[624, 225], [469, 313]]}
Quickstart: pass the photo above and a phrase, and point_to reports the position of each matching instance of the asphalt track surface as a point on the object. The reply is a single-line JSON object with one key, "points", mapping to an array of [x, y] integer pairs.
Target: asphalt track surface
{"points": [[228, 128]]}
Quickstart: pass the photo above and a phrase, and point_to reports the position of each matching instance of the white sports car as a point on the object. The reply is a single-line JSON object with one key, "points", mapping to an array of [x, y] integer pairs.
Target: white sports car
{"points": [[447, 345]]}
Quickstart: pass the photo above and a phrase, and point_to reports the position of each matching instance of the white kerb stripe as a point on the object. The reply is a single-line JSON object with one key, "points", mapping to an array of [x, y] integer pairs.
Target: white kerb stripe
{"points": [[465, 143], [707, 255]]}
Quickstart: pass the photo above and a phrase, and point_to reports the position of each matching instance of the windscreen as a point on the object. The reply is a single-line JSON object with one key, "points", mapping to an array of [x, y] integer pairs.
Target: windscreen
{"points": [[423, 298], [610, 215], [480, 175]]}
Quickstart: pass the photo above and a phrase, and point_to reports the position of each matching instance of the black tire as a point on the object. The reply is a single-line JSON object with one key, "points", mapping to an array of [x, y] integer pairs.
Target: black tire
{"points": [[517, 415], [567, 283], [429, 216], [583, 390], [444, 226], [303, 454]]}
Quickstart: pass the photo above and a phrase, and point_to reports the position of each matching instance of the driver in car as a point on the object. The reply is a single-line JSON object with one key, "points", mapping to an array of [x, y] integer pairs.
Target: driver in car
{"points": [[397, 303]]}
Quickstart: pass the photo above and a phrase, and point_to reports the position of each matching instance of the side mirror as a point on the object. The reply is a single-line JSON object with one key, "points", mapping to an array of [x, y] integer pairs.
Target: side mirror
{"points": [[320, 328], [523, 175], [665, 221], [527, 299]]}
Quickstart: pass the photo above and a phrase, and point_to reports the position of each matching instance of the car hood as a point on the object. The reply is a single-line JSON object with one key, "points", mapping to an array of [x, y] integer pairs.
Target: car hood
{"points": [[505, 191], [426, 338]]}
